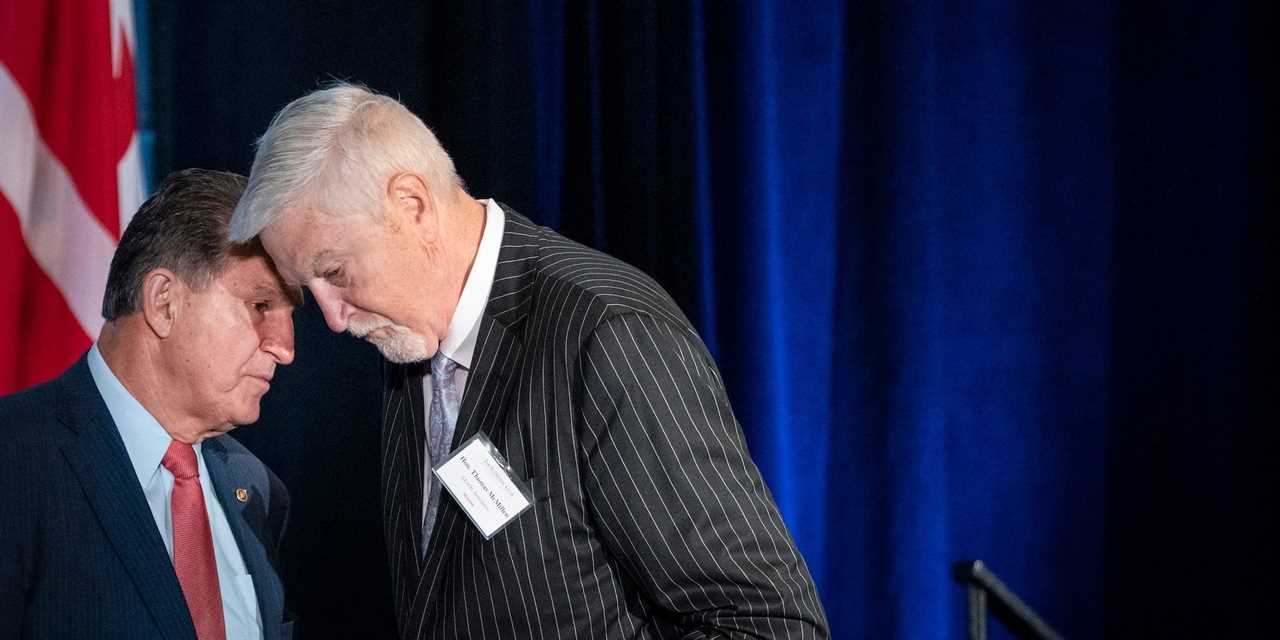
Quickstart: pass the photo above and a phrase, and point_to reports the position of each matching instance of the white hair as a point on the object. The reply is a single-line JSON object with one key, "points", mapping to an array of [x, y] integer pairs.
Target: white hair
{"points": [[334, 150]]}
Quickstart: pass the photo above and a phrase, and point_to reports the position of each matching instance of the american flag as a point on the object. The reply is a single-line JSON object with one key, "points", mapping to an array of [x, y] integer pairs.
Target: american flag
{"points": [[70, 175]]}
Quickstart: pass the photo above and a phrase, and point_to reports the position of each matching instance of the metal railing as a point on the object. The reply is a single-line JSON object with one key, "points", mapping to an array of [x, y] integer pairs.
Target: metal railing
{"points": [[985, 591]]}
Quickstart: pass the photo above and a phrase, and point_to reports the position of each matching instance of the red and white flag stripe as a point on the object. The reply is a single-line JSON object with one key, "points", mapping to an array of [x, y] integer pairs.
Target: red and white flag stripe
{"points": [[70, 175]]}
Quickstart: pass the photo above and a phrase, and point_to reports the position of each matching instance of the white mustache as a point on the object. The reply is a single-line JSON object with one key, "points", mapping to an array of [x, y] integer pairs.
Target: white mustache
{"points": [[360, 327], [399, 344]]}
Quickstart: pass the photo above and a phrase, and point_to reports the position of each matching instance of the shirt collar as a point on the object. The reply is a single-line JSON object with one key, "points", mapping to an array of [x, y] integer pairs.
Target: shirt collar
{"points": [[460, 340], [144, 439]]}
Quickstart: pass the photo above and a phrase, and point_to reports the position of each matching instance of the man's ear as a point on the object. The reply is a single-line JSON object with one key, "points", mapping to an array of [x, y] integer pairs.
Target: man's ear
{"points": [[162, 297], [411, 204]]}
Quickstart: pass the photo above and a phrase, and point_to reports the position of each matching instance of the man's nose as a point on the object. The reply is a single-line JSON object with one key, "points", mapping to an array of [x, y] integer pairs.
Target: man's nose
{"points": [[277, 339], [331, 305]]}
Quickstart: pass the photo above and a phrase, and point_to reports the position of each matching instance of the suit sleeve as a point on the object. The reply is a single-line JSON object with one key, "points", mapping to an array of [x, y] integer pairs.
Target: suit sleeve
{"points": [[676, 496]]}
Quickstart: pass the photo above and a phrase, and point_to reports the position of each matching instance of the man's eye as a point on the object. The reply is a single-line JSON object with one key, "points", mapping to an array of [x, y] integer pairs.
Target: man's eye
{"points": [[262, 307], [333, 274]]}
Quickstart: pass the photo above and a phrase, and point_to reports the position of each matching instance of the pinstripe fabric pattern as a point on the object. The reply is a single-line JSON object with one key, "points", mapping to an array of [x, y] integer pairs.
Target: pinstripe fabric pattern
{"points": [[649, 521]]}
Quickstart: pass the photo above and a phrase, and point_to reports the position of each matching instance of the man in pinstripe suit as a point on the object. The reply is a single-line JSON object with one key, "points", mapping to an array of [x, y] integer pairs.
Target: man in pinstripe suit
{"points": [[649, 519]]}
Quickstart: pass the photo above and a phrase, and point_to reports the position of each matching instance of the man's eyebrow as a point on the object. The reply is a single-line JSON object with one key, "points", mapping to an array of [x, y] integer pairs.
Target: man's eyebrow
{"points": [[292, 293], [323, 256]]}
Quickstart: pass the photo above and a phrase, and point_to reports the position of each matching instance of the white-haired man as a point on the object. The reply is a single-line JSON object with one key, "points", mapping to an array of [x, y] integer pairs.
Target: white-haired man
{"points": [[606, 414]]}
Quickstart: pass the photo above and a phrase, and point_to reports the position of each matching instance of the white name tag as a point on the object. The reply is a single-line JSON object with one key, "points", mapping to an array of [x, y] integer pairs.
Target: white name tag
{"points": [[483, 484]]}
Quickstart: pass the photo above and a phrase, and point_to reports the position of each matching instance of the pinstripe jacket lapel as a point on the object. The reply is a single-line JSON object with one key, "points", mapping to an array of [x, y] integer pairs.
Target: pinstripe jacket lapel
{"points": [[402, 450], [484, 405]]}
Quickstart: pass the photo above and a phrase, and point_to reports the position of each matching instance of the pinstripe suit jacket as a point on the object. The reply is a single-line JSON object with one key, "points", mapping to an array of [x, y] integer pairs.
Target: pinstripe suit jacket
{"points": [[649, 518], [80, 555]]}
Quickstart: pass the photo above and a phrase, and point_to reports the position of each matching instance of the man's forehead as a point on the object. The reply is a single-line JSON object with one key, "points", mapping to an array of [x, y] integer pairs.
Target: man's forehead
{"points": [[300, 241], [254, 276]]}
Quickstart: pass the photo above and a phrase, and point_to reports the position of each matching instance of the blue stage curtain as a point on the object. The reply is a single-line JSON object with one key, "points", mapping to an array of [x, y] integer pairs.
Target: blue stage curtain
{"points": [[984, 279], [912, 213]]}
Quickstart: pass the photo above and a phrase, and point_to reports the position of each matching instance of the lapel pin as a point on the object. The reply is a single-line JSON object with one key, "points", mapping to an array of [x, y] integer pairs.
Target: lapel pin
{"points": [[242, 495]]}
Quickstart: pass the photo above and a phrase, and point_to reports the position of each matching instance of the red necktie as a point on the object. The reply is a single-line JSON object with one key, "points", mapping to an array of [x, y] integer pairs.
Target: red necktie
{"points": [[193, 543]]}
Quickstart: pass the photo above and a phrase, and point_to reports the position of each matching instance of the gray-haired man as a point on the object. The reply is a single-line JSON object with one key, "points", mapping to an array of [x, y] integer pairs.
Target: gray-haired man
{"points": [[582, 382]]}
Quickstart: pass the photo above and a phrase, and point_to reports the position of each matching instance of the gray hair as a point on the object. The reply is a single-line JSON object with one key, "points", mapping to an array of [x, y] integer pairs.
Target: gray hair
{"points": [[334, 150], [181, 227]]}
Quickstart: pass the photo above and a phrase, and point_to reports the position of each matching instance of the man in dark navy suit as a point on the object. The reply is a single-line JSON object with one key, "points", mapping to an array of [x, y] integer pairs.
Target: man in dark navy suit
{"points": [[125, 512]]}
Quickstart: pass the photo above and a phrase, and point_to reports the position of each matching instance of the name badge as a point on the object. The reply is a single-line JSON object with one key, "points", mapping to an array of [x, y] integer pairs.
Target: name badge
{"points": [[483, 484]]}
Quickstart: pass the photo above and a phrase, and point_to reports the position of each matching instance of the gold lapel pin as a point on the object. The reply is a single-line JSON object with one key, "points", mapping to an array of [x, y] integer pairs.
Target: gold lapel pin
{"points": [[242, 495]]}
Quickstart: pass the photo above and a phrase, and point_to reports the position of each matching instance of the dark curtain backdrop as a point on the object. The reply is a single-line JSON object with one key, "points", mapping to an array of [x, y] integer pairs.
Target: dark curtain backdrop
{"points": [[985, 280]]}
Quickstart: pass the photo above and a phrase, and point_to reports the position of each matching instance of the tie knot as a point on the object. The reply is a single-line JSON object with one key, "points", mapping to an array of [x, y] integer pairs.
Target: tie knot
{"points": [[441, 365], [180, 460]]}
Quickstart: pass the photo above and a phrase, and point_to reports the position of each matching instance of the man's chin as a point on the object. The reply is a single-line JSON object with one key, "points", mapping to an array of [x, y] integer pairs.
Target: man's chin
{"points": [[247, 415], [400, 347], [394, 353], [224, 428]]}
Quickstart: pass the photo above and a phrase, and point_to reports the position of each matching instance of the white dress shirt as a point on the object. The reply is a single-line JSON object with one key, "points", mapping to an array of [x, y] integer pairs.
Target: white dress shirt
{"points": [[146, 442], [459, 342]]}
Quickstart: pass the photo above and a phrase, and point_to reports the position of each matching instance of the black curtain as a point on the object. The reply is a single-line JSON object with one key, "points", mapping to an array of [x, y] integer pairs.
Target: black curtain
{"points": [[1191, 508], [984, 281]]}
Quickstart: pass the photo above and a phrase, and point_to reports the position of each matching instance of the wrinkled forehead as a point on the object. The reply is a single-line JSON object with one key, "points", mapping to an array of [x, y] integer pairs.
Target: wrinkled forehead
{"points": [[293, 241], [254, 275]]}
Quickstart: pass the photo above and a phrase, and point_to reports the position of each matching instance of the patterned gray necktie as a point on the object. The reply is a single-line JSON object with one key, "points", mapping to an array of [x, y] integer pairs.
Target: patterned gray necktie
{"points": [[444, 417]]}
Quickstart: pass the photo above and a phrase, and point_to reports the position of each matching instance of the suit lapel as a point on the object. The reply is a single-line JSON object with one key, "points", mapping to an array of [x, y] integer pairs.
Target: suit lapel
{"points": [[249, 526], [402, 459], [488, 391], [498, 346], [98, 458]]}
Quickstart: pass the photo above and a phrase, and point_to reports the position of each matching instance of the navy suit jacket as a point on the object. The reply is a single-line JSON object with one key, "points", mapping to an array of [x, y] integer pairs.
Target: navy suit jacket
{"points": [[80, 555]]}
